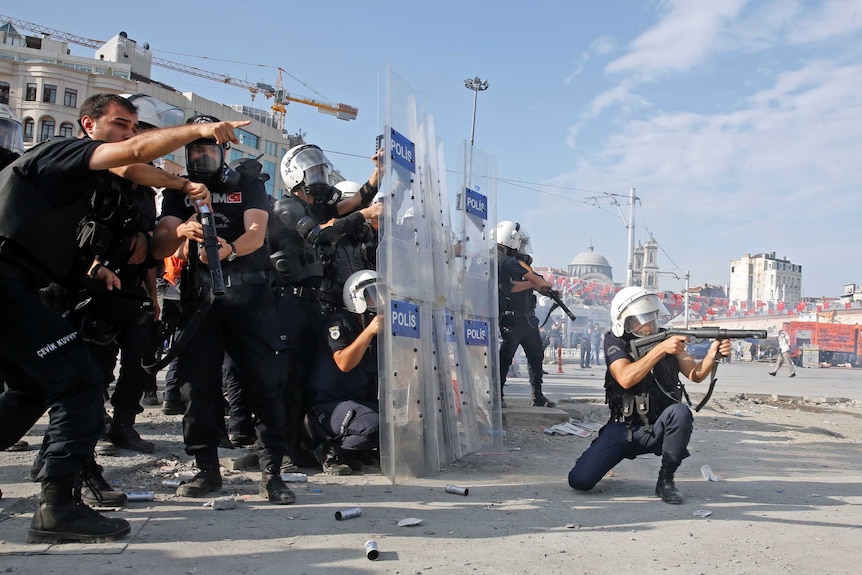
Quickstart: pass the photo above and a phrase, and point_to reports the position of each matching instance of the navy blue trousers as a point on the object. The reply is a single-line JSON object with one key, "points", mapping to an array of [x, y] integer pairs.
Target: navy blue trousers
{"points": [[667, 437]]}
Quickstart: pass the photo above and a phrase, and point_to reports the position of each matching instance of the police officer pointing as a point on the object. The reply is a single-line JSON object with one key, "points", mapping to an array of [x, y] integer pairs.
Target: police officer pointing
{"points": [[43, 359]]}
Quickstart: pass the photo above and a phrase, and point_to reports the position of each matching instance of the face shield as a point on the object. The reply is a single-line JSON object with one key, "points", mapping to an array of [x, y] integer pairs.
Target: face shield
{"points": [[204, 159], [370, 293], [11, 136], [645, 316]]}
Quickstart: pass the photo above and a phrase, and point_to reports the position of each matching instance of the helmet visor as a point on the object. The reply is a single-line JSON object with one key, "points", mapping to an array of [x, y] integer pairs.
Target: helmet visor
{"points": [[317, 175], [11, 136], [370, 296], [204, 159]]}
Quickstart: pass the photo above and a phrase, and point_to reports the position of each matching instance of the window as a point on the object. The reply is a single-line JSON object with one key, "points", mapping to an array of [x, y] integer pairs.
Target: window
{"points": [[269, 168], [31, 92], [29, 127], [235, 155], [47, 130], [246, 138], [4, 92], [70, 98], [49, 93], [66, 130], [271, 147]]}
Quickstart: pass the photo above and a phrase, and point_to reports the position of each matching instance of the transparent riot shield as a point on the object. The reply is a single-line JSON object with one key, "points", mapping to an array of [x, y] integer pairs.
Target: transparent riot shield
{"points": [[409, 436], [479, 374], [446, 303]]}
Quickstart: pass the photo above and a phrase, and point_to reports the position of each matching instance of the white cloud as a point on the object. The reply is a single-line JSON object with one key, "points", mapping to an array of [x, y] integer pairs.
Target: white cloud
{"points": [[684, 36]]}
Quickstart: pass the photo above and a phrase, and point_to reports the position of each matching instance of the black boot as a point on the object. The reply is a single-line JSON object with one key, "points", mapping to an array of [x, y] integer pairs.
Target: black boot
{"points": [[173, 403], [96, 492], [208, 478], [62, 516], [666, 489], [542, 401], [273, 488], [123, 434]]}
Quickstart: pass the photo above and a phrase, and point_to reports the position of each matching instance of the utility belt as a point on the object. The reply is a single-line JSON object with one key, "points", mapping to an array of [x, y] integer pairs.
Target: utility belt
{"points": [[302, 292], [633, 409]]}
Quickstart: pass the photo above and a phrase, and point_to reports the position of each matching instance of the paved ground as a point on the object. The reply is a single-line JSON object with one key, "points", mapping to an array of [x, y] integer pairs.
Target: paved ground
{"points": [[789, 501]]}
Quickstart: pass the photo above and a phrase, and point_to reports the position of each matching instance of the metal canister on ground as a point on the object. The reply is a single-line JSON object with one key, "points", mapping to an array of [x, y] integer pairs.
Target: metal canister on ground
{"points": [[457, 490], [371, 550], [172, 482], [348, 513], [140, 495]]}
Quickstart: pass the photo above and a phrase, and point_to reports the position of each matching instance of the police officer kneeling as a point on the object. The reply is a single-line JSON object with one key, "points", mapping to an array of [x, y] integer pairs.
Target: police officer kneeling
{"points": [[644, 395]]}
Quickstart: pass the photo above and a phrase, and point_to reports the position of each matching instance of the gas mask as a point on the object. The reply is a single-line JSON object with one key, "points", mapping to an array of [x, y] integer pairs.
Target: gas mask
{"points": [[205, 165]]}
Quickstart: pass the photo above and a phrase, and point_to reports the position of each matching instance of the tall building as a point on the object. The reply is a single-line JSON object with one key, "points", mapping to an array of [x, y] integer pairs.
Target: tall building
{"points": [[44, 85], [645, 265], [765, 278]]}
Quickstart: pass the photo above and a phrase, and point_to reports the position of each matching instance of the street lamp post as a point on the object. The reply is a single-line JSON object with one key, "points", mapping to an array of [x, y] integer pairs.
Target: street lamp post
{"points": [[477, 85]]}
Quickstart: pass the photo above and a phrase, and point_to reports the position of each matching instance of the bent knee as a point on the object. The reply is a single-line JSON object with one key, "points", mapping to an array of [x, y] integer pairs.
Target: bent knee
{"points": [[580, 482]]}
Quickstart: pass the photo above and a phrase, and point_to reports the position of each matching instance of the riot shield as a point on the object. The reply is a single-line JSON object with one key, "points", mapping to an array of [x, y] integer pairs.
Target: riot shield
{"points": [[409, 438], [479, 373]]}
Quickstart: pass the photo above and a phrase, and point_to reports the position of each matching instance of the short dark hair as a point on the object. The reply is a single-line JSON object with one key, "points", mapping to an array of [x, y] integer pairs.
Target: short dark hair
{"points": [[96, 105]]}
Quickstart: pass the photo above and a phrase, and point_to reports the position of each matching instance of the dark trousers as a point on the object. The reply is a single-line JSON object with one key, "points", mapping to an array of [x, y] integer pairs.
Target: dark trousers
{"points": [[585, 353], [45, 364], [239, 415], [302, 321], [356, 424], [667, 437], [136, 346], [242, 324], [522, 331]]}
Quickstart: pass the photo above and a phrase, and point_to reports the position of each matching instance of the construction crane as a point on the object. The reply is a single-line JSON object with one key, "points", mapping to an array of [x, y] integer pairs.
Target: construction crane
{"points": [[277, 92]]}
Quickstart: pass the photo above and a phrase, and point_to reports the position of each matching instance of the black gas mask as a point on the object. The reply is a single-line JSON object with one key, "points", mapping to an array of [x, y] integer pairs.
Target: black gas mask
{"points": [[317, 185], [205, 165]]}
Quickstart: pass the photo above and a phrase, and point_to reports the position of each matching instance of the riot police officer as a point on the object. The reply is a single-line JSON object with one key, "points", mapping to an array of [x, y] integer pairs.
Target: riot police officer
{"points": [[519, 325], [43, 359], [644, 395], [344, 408], [305, 226], [241, 322]]}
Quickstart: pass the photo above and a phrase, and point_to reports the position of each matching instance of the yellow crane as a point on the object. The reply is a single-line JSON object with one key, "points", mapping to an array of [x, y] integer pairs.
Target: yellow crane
{"points": [[277, 92]]}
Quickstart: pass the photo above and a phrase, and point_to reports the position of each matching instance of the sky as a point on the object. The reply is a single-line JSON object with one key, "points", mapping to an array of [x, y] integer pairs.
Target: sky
{"points": [[737, 122]]}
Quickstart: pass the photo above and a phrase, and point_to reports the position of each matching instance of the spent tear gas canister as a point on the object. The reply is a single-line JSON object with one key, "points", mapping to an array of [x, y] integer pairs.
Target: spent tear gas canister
{"points": [[348, 513], [140, 495], [457, 490], [371, 550], [172, 482]]}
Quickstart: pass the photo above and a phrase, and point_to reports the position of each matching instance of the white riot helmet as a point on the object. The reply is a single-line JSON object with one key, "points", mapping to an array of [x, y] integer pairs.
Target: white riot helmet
{"points": [[153, 113], [634, 307], [306, 164], [510, 235], [348, 188], [360, 292]]}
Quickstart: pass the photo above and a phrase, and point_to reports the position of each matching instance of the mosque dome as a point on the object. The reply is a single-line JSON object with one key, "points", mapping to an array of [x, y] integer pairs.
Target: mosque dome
{"points": [[590, 262]]}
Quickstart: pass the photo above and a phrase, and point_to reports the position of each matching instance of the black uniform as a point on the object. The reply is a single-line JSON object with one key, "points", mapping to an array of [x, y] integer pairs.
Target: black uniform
{"points": [[345, 404], [242, 323], [300, 252], [135, 340], [44, 361], [519, 326], [647, 418]]}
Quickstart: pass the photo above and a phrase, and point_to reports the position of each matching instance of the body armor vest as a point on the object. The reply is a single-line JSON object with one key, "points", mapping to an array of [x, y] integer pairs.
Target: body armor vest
{"points": [[294, 259], [643, 403]]}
